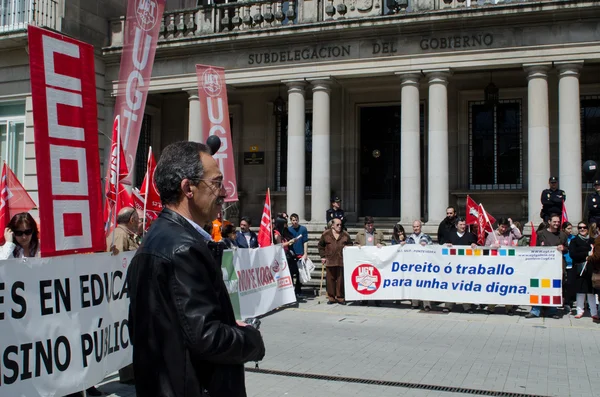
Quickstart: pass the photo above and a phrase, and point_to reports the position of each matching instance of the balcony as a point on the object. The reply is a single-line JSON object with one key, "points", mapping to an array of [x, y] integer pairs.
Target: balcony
{"points": [[263, 15], [15, 15]]}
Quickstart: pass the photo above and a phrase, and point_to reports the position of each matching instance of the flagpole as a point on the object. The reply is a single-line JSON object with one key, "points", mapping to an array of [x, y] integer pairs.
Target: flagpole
{"points": [[118, 179], [147, 187], [489, 223], [271, 214]]}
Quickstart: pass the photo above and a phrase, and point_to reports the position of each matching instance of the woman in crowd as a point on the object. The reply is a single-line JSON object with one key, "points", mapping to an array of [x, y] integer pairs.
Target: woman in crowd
{"points": [[21, 237], [228, 234], [398, 235], [579, 249], [569, 274]]}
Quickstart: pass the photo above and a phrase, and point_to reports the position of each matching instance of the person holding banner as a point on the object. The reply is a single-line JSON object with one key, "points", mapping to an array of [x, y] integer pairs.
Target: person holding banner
{"points": [[580, 275], [550, 237], [186, 340], [21, 236], [460, 236]]}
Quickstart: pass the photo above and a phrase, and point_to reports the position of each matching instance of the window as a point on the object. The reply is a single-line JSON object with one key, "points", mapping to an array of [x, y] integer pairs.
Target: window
{"points": [[12, 137], [590, 130], [282, 152], [141, 158], [495, 146]]}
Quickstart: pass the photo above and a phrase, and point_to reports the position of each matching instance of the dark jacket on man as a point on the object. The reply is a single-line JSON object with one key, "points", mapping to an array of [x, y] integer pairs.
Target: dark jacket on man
{"points": [[331, 249], [181, 322], [466, 239], [445, 230], [241, 241], [593, 204], [552, 202], [332, 214]]}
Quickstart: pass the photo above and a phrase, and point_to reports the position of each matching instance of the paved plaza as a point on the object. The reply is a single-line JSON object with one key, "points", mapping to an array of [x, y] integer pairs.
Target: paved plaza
{"points": [[415, 351]]}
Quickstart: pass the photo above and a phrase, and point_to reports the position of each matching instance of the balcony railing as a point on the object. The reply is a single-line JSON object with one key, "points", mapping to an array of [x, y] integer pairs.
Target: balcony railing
{"points": [[17, 14], [255, 15]]}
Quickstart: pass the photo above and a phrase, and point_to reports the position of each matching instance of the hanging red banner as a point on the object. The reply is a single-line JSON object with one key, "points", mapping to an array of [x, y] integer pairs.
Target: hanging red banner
{"points": [[214, 114], [63, 89], [139, 47]]}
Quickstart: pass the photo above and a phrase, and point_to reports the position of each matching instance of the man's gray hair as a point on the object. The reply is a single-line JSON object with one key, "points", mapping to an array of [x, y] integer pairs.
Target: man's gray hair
{"points": [[178, 161], [124, 215]]}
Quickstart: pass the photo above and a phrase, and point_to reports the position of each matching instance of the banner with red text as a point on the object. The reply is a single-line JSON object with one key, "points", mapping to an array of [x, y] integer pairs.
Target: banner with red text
{"points": [[214, 114], [139, 47], [258, 280], [63, 87]]}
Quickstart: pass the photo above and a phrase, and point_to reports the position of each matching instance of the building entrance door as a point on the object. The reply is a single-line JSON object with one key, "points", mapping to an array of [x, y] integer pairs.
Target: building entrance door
{"points": [[380, 161]]}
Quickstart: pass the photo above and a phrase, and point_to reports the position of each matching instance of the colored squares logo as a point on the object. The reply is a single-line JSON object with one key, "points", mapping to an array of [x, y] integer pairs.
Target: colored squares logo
{"points": [[545, 283], [478, 252]]}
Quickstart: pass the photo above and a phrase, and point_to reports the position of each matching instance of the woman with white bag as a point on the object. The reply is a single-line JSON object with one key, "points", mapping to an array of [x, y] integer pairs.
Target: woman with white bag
{"points": [[579, 249]]}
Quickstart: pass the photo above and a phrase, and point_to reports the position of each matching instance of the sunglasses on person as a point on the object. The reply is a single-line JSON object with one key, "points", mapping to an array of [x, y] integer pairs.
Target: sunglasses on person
{"points": [[26, 232], [582, 227]]}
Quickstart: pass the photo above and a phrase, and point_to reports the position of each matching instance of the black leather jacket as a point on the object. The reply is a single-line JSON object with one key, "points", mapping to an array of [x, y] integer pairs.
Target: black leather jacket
{"points": [[181, 322]]}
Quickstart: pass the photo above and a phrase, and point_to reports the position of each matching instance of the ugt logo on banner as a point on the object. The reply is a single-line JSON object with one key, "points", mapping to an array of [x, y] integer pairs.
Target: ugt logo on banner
{"points": [[63, 86]]}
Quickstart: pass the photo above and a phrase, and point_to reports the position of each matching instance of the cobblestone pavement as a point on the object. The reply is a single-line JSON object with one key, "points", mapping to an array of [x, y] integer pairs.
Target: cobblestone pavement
{"points": [[541, 357]]}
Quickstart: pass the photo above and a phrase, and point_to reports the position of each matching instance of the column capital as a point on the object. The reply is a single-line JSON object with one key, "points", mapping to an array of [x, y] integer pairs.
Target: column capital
{"points": [[192, 94], [321, 83], [409, 78], [438, 76], [568, 68], [537, 70]]}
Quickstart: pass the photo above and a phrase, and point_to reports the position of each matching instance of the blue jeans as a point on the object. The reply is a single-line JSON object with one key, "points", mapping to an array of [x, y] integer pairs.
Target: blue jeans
{"points": [[550, 311]]}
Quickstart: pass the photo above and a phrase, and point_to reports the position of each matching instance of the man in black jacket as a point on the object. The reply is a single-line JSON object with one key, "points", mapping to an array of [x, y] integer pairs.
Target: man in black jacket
{"points": [[447, 227], [186, 341]]}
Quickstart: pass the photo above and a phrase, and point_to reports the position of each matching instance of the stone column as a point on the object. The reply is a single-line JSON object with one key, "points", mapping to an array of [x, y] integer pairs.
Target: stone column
{"points": [[321, 181], [569, 137], [538, 145], [194, 122], [410, 159], [296, 150], [438, 186]]}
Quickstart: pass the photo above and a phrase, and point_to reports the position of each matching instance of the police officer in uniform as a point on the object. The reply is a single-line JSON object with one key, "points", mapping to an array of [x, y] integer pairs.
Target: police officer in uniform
{"points": [[336, 212], [552, 199], [593, 204]]}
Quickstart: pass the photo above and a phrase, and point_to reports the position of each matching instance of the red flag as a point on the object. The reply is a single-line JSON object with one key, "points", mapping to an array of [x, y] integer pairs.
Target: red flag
{"points": [[14, 199], [149, 190], [533, 239], [565, 216], [112, 208], [265, 234], [114, 161], [482, 224], [472, 211], [138, 203], [140, 36], [214, 113]]}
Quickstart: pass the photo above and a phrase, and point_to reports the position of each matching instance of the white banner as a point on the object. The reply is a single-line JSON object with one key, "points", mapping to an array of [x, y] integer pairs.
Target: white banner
{"points": [[515, 276], [63, 323], [263, 278]]}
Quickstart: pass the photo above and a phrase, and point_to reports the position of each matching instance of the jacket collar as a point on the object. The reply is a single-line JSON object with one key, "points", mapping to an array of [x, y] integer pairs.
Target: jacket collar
{"points": [[173, 216]]}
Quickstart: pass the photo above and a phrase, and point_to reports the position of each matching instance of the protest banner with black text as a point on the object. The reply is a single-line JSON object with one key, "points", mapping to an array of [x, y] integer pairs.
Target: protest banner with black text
{"points": [[63, 90], [509, 276], [63, 323]]}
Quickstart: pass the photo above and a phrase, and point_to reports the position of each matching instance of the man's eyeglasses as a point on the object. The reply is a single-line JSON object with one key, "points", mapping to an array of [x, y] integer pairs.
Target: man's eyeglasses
{"points": [[582, 227], [26, 232], [337, 224], [214, 183]]}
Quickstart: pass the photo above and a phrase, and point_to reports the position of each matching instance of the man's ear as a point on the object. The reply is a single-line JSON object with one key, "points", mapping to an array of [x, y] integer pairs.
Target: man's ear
{"points": [[186, 188]]}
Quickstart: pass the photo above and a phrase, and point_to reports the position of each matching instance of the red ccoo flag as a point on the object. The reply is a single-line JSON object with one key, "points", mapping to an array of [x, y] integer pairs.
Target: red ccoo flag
{"points": [[533, 239], [472, 211], [14, 199], [565, 217], [265, 234]]}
